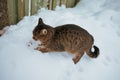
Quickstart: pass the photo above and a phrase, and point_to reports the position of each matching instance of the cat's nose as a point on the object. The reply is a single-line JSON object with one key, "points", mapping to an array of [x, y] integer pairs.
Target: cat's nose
{"points": [[34, 38]]}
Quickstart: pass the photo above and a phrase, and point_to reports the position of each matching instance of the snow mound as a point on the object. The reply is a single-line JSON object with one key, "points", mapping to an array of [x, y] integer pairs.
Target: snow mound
{"points": [[18, 61]]}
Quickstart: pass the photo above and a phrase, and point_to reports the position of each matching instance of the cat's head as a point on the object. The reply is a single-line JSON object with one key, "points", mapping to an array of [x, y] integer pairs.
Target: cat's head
{"points": [[42, 32]]}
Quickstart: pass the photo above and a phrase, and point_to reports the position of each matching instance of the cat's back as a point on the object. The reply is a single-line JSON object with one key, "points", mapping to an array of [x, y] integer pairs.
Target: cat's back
{"points": [[72, 32], [72, 37], [71, 29], [68, 27]]}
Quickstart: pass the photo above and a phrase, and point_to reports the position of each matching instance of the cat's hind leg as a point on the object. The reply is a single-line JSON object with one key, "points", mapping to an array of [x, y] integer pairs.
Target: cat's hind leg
{"points": [[77, 57]]}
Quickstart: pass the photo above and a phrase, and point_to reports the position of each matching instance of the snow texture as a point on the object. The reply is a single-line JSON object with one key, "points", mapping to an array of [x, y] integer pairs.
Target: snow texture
{"points": [[18, 61]]}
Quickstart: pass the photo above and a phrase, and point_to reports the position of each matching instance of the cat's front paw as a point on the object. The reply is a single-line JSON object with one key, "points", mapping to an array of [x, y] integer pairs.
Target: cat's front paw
{"points": [[37, 48], [43, 50]]}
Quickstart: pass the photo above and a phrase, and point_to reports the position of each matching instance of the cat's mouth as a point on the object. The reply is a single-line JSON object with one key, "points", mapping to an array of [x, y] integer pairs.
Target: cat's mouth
{"points": [[35, 38]]}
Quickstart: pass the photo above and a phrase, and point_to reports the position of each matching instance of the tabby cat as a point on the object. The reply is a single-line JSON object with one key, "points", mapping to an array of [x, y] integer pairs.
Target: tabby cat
{"points": [[70, 38]]}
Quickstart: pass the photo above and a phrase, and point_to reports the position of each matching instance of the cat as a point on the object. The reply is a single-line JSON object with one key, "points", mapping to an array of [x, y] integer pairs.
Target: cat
{"points": [[70, 38]]}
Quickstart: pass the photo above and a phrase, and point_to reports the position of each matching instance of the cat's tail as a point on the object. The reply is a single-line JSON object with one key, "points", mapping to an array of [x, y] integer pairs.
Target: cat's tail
{"points": [[93, 54]]}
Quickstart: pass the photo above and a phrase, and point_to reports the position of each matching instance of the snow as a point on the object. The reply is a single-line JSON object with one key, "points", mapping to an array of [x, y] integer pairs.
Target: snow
{"points": [[18, 61]]}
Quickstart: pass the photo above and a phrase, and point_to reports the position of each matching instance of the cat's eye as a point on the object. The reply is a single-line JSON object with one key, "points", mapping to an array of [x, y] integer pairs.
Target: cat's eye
{"points": [[43, 32]]}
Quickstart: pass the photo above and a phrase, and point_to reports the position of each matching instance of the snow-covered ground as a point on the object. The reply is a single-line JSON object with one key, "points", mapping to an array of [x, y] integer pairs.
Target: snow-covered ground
{"points": [[18, 61]]}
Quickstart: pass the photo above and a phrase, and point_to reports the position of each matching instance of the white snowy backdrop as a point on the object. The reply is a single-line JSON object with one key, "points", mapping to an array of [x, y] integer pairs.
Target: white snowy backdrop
{"points": [[101, 18]]}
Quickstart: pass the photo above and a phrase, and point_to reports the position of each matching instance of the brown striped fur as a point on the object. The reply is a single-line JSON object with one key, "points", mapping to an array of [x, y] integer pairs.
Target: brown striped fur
{"points": [[70, 38]]}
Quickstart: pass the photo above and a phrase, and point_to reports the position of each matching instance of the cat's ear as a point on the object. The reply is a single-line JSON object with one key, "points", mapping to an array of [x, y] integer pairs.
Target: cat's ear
{"points": [[43, 32], [40, 21]]}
